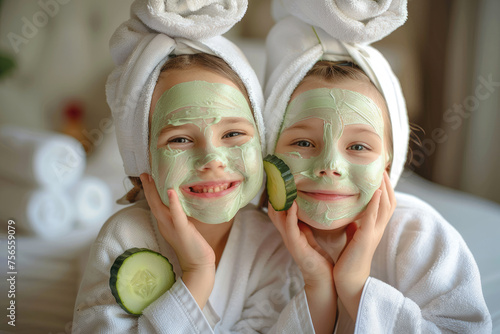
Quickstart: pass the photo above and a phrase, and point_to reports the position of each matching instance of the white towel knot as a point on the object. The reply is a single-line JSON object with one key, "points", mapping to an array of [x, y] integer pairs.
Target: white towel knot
{"points": [[351, 21], [191, 19]]}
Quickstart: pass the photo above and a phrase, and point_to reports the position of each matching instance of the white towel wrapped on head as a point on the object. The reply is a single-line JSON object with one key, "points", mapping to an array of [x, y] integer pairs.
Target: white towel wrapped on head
{"points": [[191, 19], [293, 47], [351, 21], [142, 45]]}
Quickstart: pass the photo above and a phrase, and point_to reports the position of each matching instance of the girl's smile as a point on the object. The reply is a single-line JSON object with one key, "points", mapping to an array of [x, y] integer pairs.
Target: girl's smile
{"points": [[216, 189], [327, 196]]}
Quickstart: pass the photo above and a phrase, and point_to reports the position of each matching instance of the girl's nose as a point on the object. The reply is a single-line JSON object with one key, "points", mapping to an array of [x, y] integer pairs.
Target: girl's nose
{"points": [[330, 172], [209, 156], [331, 164], [211, 162]]}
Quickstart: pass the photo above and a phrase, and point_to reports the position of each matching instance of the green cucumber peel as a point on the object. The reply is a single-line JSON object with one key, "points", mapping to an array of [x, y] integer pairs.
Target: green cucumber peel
{"points": [[138, 277]]}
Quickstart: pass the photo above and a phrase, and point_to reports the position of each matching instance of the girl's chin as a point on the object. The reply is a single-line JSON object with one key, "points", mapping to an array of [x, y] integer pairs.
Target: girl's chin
{"points": [[327, 225]]}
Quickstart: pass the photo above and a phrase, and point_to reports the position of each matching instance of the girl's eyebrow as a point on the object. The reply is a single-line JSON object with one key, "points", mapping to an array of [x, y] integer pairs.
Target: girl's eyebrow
{"points": [[234, 120], [225, 121], [170, 127], [296, 126], [368, 129]]}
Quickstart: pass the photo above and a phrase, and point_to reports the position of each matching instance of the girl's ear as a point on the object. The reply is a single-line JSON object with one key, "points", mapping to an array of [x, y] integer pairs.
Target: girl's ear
{"points": [[388, 167], [388, 163]]}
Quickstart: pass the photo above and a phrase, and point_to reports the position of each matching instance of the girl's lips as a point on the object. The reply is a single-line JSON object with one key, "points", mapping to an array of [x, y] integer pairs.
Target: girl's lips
{"points": [[326, 196], [211, 189]]}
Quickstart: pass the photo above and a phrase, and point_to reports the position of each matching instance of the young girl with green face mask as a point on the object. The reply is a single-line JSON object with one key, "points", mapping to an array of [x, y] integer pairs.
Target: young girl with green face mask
{"points": [[206, 165], [204, 144], [187, 112], [372, 260], [335, 141]]}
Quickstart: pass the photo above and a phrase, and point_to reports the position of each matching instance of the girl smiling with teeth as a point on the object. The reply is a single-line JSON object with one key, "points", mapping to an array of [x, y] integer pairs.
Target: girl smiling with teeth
{"points": [[206, 166], [204, 144]]}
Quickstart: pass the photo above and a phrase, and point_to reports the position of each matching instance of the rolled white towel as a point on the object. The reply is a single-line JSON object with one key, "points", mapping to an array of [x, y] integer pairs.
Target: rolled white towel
{"points": [[44, 212], [191, 19], [92, 201], [351, 21], [40, 158]]}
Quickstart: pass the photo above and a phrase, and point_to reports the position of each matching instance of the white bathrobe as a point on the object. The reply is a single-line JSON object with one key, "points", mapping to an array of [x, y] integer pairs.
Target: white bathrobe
{"points": [[423, 279], [254, 281]]}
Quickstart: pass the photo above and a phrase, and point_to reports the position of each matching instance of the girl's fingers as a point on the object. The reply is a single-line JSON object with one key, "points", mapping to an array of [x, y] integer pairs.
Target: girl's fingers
{"points": [[390, 191], [350, 231], [278, 218], [178, 215], [292, 228], [387, 203], [387, 189], [311, 240], [153, 197], [371, 212]]}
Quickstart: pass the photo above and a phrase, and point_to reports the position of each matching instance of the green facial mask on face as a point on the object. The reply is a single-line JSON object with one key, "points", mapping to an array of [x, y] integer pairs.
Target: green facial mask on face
{"points": [[337, 108], [201, 106]]}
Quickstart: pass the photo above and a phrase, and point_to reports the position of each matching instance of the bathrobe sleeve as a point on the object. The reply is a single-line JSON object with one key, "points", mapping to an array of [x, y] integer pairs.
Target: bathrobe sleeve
{"points": [[424, 278], [96, 310]]}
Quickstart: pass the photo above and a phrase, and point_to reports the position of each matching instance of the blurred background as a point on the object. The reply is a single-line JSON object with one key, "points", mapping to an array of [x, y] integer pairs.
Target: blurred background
{"points": [[54, 62]]}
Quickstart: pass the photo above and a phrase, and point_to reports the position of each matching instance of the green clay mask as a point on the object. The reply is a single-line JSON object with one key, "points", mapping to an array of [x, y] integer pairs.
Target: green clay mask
{"points": [[332, 140], [205, 146]]}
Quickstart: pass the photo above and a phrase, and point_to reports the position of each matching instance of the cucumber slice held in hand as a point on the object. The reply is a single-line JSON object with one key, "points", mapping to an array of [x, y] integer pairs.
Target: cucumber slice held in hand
{"points": [[138, 277], [280, 184]]}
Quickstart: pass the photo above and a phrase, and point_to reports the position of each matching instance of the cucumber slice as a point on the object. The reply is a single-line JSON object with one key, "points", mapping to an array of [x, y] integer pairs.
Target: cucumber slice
{"points": [[280, 184], [138, 277]]}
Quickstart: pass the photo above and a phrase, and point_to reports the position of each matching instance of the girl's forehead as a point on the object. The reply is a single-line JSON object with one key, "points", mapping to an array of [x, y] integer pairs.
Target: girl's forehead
{"points": [[199, 99], [172, 77], [340, 107], [363, 87]]}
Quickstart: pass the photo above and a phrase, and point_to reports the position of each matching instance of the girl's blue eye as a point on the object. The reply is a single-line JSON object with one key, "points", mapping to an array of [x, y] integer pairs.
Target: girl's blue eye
{"points": [[179, 140], [303, 143], [232, 134], [357, 147]]}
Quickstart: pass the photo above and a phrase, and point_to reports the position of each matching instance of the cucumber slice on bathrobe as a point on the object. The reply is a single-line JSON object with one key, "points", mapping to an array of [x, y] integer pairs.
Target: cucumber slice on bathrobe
{"points": [[138, 277], [280, 184]]}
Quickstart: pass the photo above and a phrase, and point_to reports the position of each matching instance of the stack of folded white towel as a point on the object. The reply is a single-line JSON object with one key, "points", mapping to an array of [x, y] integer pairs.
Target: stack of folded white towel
{"points": [[42, 183]]}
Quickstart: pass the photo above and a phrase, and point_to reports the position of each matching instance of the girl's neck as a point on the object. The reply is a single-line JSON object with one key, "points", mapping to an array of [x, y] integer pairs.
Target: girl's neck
{"points": [[331, 241], [216, 236]]}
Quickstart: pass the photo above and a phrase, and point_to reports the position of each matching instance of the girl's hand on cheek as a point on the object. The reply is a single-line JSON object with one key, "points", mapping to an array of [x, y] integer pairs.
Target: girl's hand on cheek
{"points": [[313, 263], [196, 257], [353, 266], [299, 240]]}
